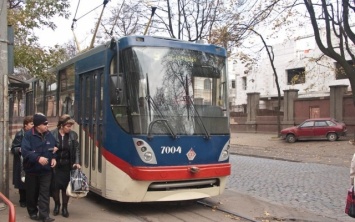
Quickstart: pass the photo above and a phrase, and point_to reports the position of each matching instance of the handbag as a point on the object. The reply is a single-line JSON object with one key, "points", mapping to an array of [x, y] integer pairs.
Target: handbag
{"points": [[79, 194], [350, 203], [78, 181]]}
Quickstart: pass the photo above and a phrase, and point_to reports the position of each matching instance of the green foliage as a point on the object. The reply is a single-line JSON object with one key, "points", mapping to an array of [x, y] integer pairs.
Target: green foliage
{"points": [[36, 60], [26, 17]]}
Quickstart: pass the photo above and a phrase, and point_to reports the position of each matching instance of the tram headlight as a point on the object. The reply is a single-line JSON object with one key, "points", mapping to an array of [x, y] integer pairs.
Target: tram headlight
{"points": [[224, 153], [145, 151], [148, 156]]}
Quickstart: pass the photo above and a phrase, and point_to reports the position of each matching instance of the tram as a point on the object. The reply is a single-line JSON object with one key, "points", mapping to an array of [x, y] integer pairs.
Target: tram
{"points": [[151, 114]]}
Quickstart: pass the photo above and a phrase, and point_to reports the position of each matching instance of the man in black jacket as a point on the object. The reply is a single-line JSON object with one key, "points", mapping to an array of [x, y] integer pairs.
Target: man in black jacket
{"points": [[38, 146]]}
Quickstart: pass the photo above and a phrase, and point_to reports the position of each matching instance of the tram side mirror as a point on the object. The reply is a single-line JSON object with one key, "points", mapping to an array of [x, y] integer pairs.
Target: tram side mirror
{"points": [[113, 44]]}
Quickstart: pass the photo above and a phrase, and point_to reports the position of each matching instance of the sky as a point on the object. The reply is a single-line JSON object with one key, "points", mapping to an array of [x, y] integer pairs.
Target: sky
{"points": [[82, 27]]}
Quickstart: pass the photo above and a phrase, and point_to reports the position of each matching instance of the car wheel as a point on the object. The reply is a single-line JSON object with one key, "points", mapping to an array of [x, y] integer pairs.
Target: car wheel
{"points": [[291, 138], [332, 137]]}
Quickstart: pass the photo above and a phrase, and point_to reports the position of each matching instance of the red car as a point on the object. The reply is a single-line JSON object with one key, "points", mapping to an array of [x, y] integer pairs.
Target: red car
{"points": [[319, 128]]}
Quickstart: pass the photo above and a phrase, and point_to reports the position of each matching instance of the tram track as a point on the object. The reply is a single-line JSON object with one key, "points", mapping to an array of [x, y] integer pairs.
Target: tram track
{"points": [[184, 211], [228, 212]]}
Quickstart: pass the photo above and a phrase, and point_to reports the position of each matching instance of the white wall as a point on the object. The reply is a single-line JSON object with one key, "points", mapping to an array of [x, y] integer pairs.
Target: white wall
{"points": [[298, 53]]}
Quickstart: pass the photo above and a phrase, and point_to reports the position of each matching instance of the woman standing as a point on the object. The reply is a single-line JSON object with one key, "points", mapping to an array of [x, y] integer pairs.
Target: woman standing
{"points": [[68, 157], [17, 163]]}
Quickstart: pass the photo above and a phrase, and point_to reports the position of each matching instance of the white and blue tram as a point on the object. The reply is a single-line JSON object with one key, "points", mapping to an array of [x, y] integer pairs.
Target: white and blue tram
{"points": [[152, 117]]}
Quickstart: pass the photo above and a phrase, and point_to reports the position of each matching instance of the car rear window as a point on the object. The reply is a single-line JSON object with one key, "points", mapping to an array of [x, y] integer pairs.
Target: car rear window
{"points": [[321, 123], [330, 123]]}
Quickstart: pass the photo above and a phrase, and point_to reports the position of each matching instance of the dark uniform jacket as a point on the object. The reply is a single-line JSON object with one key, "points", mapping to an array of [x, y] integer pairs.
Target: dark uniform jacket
{"points": [[35, 145], [15, 150]]}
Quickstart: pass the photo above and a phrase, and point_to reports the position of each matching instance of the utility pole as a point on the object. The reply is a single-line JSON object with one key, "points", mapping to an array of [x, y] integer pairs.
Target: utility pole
{"points": [[4, 105]]}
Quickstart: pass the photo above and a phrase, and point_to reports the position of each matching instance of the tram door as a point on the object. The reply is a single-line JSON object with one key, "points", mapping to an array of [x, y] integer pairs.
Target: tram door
{"points": [[91, 115]]}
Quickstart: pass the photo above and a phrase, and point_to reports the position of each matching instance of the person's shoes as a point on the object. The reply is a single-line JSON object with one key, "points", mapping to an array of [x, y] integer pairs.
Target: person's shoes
{"points": [[56, 209], [65, 212], [48, 219], [34, 217], [23, 204]]}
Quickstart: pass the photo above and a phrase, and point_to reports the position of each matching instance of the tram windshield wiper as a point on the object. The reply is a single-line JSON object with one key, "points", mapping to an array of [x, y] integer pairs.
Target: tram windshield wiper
{"points": [[151, 103], [190, 104]]}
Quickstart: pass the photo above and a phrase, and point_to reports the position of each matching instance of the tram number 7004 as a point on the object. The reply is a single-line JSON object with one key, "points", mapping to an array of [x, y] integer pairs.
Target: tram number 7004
{"points": [[170, 149]]}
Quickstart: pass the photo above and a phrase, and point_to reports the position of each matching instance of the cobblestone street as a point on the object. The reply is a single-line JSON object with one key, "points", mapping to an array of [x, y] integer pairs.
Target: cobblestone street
{"points": [[318, 188], [307, 175]]}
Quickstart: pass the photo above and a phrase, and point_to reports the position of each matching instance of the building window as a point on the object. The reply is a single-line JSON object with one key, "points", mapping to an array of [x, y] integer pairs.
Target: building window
{"points": [[244, 82], [296, 76], [233, 84], [207, 84], [339, 71]]}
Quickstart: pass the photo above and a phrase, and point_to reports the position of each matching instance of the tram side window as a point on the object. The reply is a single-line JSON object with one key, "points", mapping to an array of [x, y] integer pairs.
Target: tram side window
{"points": [[51, 88], [66, 90], [16, 104], [97, 90], [39, 93], [101, 109], [82, 96], [29, 107], [117, 94], [87, 97], [94, 96]]}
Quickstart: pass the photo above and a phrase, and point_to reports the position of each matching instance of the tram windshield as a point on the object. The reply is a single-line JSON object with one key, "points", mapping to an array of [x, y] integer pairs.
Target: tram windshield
{"points": [[174, 91]]}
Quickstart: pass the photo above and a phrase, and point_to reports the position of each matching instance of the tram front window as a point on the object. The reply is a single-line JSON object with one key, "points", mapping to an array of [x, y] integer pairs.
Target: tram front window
{"points": [[180, 90]]}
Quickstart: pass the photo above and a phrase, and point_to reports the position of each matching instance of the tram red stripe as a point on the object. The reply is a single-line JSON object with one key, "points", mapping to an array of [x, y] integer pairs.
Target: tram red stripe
{"points": [[171, 172]]}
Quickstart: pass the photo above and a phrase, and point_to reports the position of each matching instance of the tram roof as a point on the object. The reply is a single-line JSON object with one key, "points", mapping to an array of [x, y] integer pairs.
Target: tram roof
{"points": [[129, 41]]}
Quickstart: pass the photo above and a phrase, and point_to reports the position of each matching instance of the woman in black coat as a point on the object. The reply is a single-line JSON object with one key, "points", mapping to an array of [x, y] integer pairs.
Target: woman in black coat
{"points": [[68, 157], [17, 163]]}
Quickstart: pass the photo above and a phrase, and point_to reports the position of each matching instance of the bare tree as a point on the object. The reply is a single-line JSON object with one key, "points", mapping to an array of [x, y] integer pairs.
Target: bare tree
{"points": [[333, 21], [192, 20], [271, 56], [241, 31], [126, 19]]}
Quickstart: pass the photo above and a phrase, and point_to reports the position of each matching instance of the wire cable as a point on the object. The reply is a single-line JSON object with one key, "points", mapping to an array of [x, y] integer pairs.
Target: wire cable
{"points": [[77, 7], [74, 19]]}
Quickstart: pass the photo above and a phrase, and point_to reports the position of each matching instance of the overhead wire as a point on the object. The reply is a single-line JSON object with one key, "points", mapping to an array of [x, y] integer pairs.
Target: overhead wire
{"points": [[76, 19], [89, 12]]}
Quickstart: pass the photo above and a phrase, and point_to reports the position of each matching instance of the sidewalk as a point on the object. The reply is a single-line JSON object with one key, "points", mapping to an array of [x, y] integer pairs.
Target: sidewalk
{"points": [[338, 153]]}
